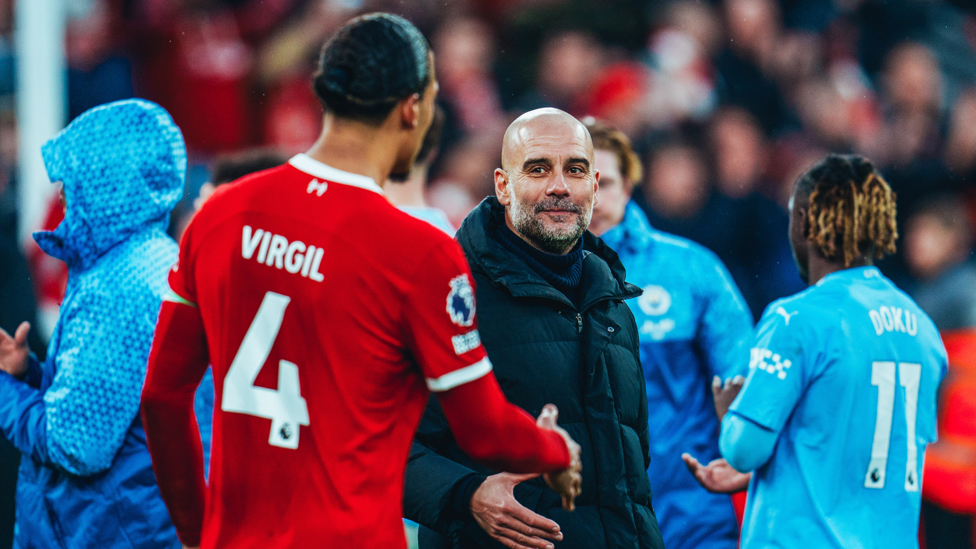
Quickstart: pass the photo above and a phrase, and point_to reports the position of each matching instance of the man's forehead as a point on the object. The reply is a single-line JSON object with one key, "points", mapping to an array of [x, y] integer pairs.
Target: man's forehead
{"points": [[553, 137]]}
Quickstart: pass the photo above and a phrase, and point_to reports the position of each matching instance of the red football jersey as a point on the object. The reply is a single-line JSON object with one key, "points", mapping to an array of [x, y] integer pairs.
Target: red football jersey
{"points": [[319, 299]]}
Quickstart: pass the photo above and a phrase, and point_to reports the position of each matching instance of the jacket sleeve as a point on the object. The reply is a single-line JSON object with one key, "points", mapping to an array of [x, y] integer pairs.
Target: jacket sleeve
{"points": [[80, 421], [726, 328], [431, 478]]}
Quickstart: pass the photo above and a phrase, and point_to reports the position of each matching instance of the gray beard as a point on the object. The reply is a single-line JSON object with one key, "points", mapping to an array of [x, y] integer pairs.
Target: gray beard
{"points": [[555, 241]]}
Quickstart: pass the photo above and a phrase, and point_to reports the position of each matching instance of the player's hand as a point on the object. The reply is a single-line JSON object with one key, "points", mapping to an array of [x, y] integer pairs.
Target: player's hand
{"points": [[724, 395], [191, 547], [568, 483], [495, 509], [718, 477], [14, 351]]}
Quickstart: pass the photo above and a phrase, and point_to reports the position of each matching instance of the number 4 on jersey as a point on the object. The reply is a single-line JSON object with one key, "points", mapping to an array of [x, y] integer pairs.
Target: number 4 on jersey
{"points": [[285, 406]]}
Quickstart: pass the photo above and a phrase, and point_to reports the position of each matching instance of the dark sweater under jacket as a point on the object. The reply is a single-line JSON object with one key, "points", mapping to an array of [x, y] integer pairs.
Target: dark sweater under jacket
{"points": [[544, 349]]}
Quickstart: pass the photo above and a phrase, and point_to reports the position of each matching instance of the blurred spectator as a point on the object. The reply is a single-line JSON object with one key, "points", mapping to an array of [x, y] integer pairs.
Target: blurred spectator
{"points": [[745, 67], [938, 244], [761, 261], [567, 66], [465, 56], [97, 73]]}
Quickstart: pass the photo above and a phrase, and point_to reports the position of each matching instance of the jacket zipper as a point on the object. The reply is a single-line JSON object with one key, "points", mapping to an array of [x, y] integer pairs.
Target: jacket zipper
{"points": [[579, 323]]}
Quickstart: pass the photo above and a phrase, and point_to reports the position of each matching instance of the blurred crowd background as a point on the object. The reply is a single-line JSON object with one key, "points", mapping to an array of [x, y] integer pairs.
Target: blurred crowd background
{"points": [[727, 101]]}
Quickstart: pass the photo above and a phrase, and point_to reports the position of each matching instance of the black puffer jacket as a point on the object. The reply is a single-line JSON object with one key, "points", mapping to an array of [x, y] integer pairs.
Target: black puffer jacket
{"points": [[545, 350]]}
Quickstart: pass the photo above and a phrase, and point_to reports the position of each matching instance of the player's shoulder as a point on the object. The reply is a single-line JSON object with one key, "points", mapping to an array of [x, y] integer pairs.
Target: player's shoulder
{"points": [[805, 310]]}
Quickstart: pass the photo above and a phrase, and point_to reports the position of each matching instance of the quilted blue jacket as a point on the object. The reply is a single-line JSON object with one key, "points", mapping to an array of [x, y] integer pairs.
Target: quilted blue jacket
{"points": [[85, 476], [693, 325]]}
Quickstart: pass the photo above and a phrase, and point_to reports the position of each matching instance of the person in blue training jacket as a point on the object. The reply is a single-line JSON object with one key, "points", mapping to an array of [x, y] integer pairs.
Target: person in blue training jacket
{"points": [[85, 477], [694, 325], [840, 402]]}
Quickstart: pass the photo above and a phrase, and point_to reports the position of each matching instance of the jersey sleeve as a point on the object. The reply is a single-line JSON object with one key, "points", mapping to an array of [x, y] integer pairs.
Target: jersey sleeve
{"points": [[182, 287], [779, 369], [442, 332]]}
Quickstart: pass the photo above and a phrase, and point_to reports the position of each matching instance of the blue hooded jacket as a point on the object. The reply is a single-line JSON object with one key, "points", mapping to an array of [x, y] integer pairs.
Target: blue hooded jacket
{"points": [[85, 477], [693, 325]]}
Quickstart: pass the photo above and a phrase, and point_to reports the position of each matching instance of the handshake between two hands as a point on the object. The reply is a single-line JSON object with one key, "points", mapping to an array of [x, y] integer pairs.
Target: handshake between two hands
{"points": [[496, 510]]}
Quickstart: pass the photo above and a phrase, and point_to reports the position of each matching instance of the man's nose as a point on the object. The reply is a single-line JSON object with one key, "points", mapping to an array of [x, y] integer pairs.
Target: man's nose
{"points": [[558, 186]]}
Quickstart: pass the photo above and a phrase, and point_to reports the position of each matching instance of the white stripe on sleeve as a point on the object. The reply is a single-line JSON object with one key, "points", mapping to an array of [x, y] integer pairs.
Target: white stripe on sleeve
{"points": [[174, 297], [459, 377]]}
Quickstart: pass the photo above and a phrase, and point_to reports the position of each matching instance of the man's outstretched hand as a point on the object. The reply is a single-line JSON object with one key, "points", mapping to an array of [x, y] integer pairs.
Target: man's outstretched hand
{"points": [[718, 476], [568, 483], [495, 509], [724, 395], [14, 351]]}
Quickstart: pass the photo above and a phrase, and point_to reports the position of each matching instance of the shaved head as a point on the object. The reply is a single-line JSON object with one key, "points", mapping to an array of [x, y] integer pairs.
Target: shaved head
{"points": [[547, 181], [533, 124]]}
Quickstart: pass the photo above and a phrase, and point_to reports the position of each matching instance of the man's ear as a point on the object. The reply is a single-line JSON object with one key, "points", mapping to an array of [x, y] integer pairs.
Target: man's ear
{"points": [[502, 187], [410, 112]]}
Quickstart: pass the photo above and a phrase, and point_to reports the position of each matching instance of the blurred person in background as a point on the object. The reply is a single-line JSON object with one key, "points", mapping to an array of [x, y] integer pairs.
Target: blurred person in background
{"points": [[85, 475], [939, 253], [552, 318], [760, 261], [411, 195], [694, 326]]}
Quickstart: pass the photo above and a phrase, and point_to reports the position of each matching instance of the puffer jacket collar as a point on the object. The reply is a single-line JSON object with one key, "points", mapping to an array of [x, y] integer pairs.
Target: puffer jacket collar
{"points": [[602, 280]]}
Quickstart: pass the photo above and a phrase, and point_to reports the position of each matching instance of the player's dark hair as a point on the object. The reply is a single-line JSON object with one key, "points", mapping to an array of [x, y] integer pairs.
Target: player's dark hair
{"points": [[371, 64], [608, 138], [227, 168], [852, 208], [432, 140]]}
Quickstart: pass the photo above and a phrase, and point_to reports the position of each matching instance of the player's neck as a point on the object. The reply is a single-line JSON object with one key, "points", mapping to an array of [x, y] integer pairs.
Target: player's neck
{"points": [[355, 148], [821, 267]]}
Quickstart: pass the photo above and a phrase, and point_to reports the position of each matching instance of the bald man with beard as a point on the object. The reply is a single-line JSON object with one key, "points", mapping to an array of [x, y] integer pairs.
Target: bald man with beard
{"points": [[552, 317]]}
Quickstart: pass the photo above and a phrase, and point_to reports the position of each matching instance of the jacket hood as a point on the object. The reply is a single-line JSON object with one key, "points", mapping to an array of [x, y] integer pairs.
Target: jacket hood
{"points": [[634, 234], [501, 266], [123, 166]]}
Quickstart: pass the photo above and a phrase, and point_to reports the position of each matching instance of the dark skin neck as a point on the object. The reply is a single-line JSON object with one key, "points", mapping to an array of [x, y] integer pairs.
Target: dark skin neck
{"points": [[356, 148], [821, 266]]}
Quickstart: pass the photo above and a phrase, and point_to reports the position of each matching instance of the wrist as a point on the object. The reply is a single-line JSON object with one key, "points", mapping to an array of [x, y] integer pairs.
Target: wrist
{"points": [[461, 499]]}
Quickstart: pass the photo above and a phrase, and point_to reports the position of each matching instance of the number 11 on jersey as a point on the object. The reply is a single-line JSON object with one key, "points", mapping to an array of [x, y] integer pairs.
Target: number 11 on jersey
{"points": [[285, 406], [883, 376]]}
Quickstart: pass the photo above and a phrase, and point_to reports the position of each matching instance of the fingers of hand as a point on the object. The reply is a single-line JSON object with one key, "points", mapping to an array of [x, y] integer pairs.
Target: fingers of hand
{"points": [[509, 532], [20, 336], [521, 520], [716, 385], [691, 463], [548, 417]]}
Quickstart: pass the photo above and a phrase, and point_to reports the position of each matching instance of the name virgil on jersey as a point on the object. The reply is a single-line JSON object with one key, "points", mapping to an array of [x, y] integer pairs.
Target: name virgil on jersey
{"points": [[275, 250]]}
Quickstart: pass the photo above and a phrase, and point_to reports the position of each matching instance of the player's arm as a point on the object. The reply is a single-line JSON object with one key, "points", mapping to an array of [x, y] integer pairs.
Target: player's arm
{"points": [[778, 377], [177, 363]]}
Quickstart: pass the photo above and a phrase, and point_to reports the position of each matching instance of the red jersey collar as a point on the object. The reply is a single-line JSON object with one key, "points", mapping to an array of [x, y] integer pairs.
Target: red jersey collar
{"points": [[309, 165]]}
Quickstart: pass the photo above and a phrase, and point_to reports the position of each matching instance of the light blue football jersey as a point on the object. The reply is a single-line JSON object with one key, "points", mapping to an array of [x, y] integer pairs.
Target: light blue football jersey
{"points": [[847, 373]]}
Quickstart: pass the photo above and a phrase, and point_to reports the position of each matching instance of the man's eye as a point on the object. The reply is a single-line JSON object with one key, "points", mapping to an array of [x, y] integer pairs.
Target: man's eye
{"points": [[576, 170], [537, 170]]}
